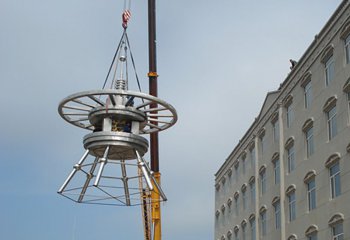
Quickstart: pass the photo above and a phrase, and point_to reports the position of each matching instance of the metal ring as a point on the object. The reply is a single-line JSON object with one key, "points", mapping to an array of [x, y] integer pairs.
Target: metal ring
{"points": [[75, 108]]}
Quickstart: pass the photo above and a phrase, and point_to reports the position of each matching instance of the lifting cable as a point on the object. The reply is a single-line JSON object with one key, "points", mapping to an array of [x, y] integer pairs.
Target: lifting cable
{"points": [[125, 18]]}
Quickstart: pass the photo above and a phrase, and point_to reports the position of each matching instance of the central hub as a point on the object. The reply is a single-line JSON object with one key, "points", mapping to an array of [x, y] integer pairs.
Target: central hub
{"points": [[122, 144], [117, 113]]}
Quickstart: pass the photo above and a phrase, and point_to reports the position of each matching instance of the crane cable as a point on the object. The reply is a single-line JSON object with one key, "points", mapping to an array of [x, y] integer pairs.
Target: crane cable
{"points": [[125, 18]]}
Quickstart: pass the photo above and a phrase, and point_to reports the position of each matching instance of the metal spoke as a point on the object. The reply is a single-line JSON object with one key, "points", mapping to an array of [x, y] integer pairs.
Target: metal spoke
{"points": [[156, 120], [79, 119], [143, 105], [76, 114], [98, 101], [82, 103], [112, 98], [77, 108], [155, 109], [153, 126], [158, 115]]}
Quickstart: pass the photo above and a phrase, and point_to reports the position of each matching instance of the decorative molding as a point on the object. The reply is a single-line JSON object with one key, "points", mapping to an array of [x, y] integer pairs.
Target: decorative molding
{"points": [[309, 175], [311, 230], [275, 200], [261, 132], [290, 189], [251, 217], [330, 103], [327, 53], [275, 156], [332, 159], [262, 209], [292, 237], [262, 168], [229, 202], [223, 207], [229, 172], [345, 31], [308, 124], [336, 218], [346, 87], [251, 180], [289, 142], [305, 79], [288, 100]]}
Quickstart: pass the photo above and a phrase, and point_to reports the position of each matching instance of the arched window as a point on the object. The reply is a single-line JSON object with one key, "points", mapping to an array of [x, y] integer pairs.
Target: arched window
{"points": [[310, 183], [289, 145], [328, 60], [307, 87], [309, 136], [333, 165], [336, 223], [330, 108]]}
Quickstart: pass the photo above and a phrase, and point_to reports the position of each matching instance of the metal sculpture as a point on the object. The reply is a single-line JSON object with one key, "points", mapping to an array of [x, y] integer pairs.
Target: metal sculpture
{"points": [[113, 170]]}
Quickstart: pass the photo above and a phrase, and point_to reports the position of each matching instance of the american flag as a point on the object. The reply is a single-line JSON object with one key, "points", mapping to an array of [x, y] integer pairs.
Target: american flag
{"points": [[126, 17]]}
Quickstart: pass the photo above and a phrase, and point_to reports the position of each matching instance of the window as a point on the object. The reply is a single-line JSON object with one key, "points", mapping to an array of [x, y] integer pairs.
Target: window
{"points": [[312, 236], [277, 208], [236, 236], [347, 49], [244, 231], [348, 97], [263, 223], [337, 232], [243, 165], [311, 194], [244, 199], [291, 158], [262, 143], [309, 135], [252, 158], [236, 205], [332, 122], [237, 172], [275, 131], [329, 70], [311, 232], [276, 169], [291, 206], [252, 229], [307, 95], [252, 192], [263, 181], [334, 172], [290, 114]]}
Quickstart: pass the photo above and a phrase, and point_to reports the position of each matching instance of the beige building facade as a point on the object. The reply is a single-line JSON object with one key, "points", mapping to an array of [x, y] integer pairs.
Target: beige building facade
{"points": [[289, 176]]}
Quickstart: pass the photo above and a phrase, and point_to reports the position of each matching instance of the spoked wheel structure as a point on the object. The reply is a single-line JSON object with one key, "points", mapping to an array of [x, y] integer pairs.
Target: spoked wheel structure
{"points": [[78, 109]]}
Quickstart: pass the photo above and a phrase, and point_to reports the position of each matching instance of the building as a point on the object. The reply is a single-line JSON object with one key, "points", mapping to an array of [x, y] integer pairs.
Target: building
{"points": [[289, 176]]}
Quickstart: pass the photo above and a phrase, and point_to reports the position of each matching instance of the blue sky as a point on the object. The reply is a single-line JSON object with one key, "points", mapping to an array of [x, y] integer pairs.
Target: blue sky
{"points": [[216, 62]]}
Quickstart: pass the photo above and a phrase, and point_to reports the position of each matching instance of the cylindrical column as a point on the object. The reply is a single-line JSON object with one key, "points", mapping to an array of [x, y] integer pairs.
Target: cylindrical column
{"points": [[153, 90], [153, 78]]}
